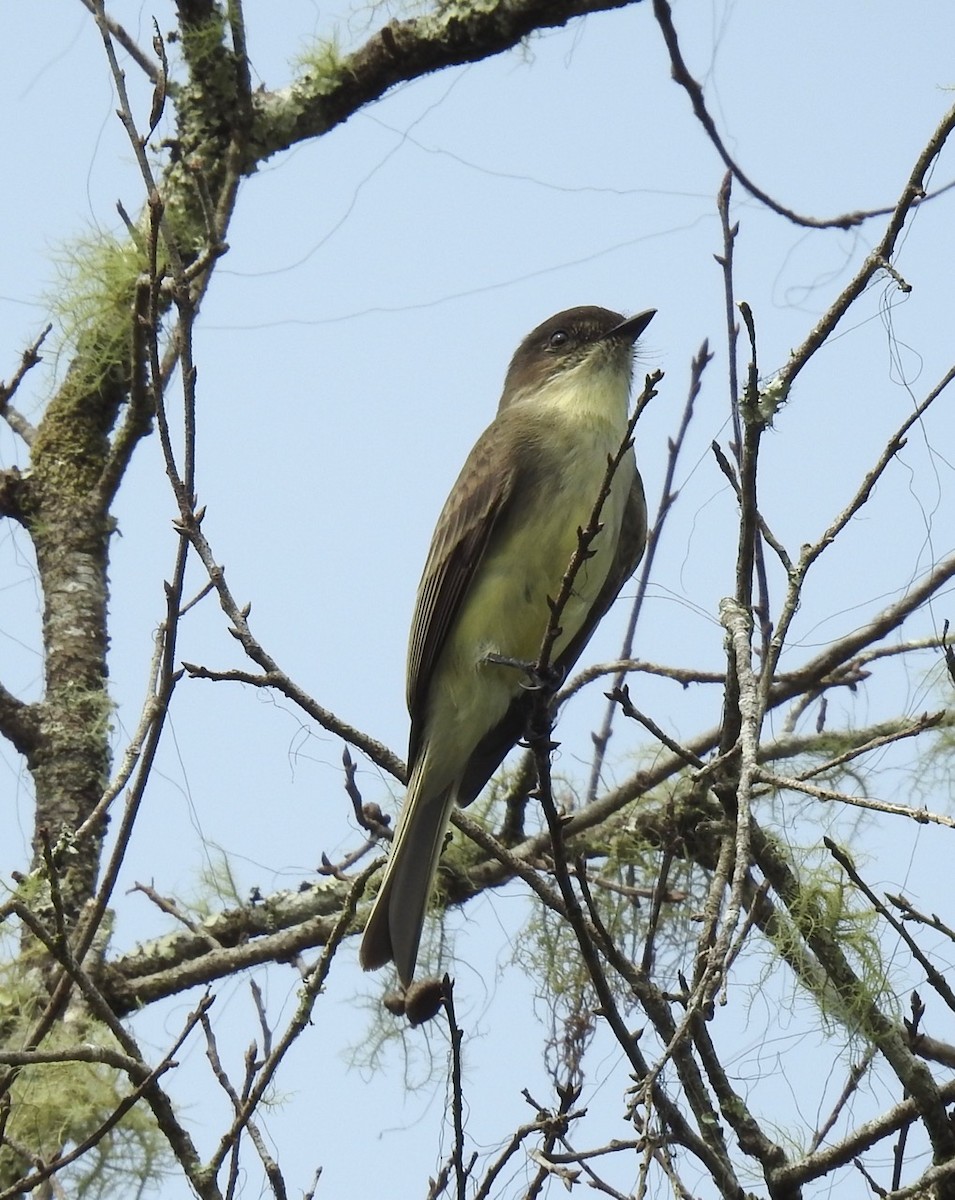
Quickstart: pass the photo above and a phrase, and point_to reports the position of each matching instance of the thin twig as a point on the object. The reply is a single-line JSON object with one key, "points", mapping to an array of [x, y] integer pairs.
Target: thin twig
{"points": [[920, 815], [456, 1036], [665, 504], [932, 973], [135, 52], [300, 1020], [592, 529], [28, 360], [693, 89], [621, 696]]}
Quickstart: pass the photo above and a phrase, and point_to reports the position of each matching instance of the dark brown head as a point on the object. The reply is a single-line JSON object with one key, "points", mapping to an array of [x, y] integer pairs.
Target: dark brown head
{"points": [[567, 340]]}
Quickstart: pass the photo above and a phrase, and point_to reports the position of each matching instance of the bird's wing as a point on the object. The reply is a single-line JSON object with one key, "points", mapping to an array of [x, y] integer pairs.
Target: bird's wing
{"points": [[476, 505]]}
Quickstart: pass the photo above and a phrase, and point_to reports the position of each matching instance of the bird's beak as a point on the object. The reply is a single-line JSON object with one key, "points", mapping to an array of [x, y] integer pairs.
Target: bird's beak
{"points": [[632, 327]]}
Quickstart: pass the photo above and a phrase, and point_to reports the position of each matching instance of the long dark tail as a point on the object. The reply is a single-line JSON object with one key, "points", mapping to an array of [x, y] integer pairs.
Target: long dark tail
{"points": [[393, 930]]}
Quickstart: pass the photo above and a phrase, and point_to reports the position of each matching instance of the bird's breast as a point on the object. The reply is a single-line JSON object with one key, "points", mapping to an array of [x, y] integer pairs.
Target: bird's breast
{"points": [[507, 608]]}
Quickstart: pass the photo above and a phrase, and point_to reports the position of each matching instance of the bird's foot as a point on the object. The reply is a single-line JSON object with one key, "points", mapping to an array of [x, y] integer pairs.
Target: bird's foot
{"points": [[537, 678]]}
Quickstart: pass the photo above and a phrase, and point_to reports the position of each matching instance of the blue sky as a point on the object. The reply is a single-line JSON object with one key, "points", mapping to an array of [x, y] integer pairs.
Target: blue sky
{"points": [[353, 346]]}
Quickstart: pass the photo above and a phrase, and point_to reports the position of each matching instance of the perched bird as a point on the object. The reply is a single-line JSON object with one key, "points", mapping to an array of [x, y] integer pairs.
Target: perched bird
{"points": [[501, 547]]}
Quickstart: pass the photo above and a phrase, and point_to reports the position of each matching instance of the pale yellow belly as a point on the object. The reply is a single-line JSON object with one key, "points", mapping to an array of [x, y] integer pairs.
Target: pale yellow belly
{"points": [[506, 612]]}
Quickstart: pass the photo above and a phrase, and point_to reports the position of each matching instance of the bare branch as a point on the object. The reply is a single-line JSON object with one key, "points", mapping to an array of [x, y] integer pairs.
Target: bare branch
{"points": [[933, 975], [19, 722], [912, 194], [273, 676], [681, 74], [17, 422], [920, 815], [135, 52], [399, 51]]}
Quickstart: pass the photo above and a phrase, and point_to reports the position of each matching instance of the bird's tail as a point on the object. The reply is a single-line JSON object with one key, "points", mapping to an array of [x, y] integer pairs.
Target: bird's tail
{"points": [[393, 930]]}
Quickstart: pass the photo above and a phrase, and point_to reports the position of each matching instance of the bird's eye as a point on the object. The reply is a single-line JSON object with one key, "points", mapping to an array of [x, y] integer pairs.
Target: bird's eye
{"points": [[558, 338]]}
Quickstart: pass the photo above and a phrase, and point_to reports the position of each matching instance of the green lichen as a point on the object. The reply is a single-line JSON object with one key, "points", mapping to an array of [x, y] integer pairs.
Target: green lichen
{"points": [[772, 396]]}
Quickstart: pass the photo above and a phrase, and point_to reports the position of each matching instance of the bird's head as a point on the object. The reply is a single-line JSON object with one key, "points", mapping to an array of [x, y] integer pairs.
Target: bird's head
{"points": [[586, 339]]}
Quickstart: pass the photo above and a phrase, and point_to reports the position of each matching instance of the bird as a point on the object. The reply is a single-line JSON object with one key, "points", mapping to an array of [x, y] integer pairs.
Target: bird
{"points": [[500, 549]]}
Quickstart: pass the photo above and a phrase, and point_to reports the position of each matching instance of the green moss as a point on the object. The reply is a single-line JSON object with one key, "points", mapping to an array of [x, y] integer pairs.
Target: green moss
{"points": [[216, 888], [322, 66], [825, 907], [202, 40], [93, 303], [53, 1106]]}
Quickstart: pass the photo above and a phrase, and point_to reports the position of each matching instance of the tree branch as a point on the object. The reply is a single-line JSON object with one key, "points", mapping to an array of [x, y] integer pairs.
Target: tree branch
{"points": [[334, 90]]}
